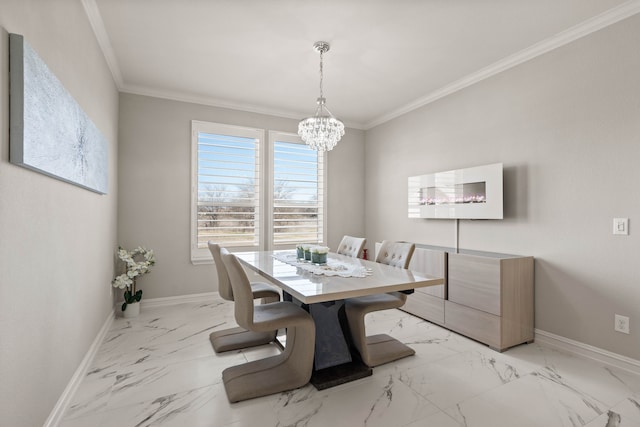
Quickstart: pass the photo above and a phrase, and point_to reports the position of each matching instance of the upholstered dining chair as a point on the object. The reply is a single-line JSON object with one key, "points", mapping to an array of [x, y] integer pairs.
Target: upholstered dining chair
{"points": [[351, 246], [238, 337], [286, 371], [380, 349]]}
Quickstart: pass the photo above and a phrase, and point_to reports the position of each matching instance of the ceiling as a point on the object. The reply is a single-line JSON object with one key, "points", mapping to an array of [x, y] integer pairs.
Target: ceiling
{"points": [[386, 57]]}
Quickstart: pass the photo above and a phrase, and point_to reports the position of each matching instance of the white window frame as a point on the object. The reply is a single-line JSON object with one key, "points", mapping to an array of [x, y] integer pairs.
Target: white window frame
{"points": [[265, 153], [273, 137], [202, 255]]}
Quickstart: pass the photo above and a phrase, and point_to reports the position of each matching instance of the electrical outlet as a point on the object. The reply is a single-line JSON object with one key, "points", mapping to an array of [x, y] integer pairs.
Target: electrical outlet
{"points": [[621, 226], [621, 324]]}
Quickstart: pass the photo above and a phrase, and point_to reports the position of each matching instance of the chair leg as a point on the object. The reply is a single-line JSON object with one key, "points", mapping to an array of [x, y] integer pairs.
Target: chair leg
{"points": [[374, 350], [383, 349], [287, 371], [238, 338]]}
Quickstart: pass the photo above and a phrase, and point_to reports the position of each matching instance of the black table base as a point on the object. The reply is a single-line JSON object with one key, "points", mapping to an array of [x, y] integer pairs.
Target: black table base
{"points": [[340, 374], [336, 359]]}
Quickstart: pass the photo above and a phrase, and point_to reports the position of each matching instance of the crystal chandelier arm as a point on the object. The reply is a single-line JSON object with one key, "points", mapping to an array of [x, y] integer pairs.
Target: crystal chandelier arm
{"points": [[324, 107]]}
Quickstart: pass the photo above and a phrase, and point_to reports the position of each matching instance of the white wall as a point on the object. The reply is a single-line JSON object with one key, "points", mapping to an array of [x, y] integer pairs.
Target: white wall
{"points": [[155, 179], [566, 126], [57, 240]]}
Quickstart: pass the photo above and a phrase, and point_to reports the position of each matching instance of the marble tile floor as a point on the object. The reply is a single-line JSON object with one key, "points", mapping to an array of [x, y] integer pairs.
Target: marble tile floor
{"points": [[160, 370]]}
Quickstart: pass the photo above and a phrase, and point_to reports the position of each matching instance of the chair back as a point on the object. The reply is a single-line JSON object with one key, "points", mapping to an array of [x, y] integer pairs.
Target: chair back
{"points": [[397, 254], [243, 296], [351, 246], [224, 286]]}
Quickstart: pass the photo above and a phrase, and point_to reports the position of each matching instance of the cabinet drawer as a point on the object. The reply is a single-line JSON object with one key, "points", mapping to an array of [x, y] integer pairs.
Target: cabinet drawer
{"points": [[475, 282], [475, 324], [432, 263], [425, 306]]}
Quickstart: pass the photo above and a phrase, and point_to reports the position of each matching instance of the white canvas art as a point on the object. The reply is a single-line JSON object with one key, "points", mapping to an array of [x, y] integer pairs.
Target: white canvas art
{"points": [[49, 131]]}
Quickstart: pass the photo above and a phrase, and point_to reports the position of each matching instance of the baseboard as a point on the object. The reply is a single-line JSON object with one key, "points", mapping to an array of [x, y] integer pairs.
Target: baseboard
{"points": [[180, 299], [67, 395], [587, 351]]}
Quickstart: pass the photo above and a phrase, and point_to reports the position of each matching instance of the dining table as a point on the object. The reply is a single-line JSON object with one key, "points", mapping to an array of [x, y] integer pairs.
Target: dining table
{"points": [[321, 289]]}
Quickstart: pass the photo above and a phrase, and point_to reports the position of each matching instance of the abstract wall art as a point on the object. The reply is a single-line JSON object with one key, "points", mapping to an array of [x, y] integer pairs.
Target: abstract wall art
{"points": [[49, 132]]}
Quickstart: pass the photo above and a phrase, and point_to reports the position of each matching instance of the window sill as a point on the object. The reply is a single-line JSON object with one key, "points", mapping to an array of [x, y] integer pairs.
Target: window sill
{"points": [[201, 261]]}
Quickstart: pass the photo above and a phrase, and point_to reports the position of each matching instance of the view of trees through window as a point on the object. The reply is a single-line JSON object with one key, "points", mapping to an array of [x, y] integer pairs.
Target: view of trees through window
{"points": [[228, 190], [297, 194], [230, 184]]}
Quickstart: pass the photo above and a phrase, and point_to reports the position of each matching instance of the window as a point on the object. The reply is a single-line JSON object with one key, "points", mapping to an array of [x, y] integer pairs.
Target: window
{"points": [[226, 187], [245, 203], [297, 192]]}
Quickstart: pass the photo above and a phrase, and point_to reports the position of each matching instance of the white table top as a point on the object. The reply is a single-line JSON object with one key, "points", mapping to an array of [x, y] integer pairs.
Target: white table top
{"points": [[311, 288]]}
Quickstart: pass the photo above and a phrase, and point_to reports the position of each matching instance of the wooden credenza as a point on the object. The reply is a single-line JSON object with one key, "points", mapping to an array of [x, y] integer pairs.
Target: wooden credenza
{"points": [[428, 302], [486, 296]]}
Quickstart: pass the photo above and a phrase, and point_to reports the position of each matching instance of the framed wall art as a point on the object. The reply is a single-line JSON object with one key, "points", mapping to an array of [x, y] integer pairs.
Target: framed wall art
{"points": [[49, 132]]}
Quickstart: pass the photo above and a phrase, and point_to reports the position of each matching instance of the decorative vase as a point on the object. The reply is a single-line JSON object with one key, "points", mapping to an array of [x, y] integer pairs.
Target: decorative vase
{"points": [[318, 258], [319, 254], [133, 310]]}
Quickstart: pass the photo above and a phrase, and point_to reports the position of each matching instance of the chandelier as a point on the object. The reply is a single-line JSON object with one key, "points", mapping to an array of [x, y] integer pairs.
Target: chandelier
{"points": [[322, 131]]}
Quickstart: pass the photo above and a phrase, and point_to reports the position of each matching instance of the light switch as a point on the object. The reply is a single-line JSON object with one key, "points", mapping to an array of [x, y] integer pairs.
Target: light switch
{"points": [[621, 226]]}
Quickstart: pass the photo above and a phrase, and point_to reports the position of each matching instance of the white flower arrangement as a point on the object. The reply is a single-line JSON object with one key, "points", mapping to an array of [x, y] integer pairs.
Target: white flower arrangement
{"points": [[134, 268]]}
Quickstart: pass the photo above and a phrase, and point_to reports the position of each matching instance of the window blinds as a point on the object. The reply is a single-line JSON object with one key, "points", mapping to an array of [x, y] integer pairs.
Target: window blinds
{"points": [[228, 190], [298, 193]]}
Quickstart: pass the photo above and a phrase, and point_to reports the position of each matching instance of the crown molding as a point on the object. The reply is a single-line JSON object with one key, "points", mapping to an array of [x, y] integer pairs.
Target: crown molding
{"points": [[574, 33], [97, 24], [596, 23], [220, 103]]}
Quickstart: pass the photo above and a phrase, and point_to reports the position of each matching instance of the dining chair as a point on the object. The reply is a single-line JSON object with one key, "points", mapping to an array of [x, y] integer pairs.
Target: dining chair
{"points": [[288, 370], [351, 246], [380, 349], [238, 337]]}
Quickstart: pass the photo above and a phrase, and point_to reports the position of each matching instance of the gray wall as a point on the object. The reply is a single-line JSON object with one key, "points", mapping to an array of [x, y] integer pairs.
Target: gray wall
{"points": [[566, 125], [57, 240], [155, 179]]}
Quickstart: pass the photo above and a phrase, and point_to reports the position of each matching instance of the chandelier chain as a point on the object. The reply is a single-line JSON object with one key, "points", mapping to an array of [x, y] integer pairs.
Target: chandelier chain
{"points": [[321, 73]]}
